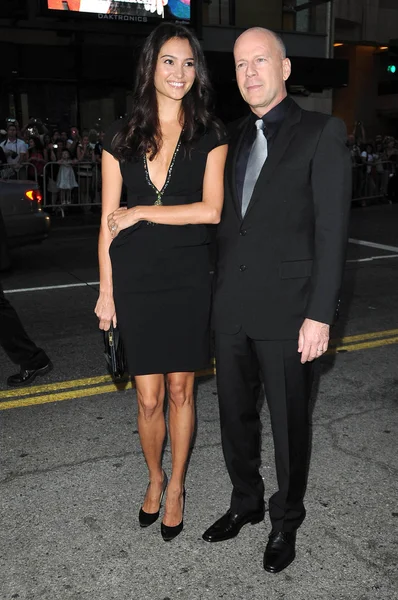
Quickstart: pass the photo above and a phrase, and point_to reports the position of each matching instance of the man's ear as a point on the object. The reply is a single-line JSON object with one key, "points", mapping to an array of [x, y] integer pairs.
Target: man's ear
{"points": [[287, 68]]}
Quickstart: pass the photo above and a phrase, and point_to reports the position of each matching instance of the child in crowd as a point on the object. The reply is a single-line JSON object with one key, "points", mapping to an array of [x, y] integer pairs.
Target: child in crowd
{"points": [[66, 180]]}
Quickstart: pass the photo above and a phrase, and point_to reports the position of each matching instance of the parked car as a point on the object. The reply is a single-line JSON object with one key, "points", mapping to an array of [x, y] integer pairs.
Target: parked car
{"points": [[20, 204]]}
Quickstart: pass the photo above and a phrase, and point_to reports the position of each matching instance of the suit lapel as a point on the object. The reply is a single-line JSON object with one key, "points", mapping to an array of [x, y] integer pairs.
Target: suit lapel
{"points": [[284, 136], [230, 171]]}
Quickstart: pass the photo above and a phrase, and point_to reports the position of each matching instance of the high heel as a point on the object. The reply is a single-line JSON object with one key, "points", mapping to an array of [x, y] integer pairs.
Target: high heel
{"points": [[147, 519], [169, 533]]}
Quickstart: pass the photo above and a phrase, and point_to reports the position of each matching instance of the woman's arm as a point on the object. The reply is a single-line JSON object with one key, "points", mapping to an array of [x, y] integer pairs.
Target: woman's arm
{"points": [[207, 211], [111, 192]]}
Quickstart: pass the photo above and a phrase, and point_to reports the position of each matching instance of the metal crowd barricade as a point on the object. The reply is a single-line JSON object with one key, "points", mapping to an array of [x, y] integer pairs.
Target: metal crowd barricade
{"points": [[21, 171], [79, 185], [370, 181]]}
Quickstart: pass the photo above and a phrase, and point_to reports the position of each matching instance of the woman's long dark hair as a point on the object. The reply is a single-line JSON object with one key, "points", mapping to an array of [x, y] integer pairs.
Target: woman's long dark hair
{"points": [[142, 132]]}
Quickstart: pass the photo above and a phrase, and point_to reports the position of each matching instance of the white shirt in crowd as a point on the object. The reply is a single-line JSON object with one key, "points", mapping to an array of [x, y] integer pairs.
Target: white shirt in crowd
{"points": [[17, 146]]}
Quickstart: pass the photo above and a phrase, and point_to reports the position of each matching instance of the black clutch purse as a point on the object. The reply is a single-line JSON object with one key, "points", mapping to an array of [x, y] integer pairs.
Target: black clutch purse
{"points": [[114, 353]]}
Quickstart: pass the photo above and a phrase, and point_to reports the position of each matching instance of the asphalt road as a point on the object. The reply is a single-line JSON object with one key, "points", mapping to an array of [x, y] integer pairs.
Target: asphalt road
{"points": [[72, 475]]}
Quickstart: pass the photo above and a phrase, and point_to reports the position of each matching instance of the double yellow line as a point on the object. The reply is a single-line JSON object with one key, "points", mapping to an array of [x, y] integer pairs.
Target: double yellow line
{"points": [[103, 384]]}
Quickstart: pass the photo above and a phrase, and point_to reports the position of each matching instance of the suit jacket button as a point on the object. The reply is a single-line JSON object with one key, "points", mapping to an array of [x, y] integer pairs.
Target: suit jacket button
{"points": [[243, 232], [242, 268]]}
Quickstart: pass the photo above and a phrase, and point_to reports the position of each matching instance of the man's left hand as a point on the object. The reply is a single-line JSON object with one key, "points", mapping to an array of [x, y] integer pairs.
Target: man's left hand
{"points": [[313, 340]]}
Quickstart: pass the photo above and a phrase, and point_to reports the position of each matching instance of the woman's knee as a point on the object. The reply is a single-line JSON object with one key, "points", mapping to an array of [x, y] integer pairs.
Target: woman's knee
{"points": [[180, 393], [149, 404]]}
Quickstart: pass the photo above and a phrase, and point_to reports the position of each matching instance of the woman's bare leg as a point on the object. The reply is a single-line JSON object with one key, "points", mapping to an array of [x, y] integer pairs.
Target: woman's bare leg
{"points": [[152, 430], [181, 427]]}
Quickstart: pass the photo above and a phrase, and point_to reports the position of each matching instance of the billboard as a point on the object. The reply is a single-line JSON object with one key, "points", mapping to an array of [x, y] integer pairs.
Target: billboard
{"points": [[140, 11]]}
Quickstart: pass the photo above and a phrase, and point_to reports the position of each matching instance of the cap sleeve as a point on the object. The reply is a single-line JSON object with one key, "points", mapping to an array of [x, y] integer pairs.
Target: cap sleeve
{"points": [[110, 134], [217, 137]]}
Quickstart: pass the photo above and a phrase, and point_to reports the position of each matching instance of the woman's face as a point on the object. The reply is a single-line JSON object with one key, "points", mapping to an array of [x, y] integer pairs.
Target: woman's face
{"points": [[46, 140], [175, 69], [31, 143], [65, 155], [85, 140]]}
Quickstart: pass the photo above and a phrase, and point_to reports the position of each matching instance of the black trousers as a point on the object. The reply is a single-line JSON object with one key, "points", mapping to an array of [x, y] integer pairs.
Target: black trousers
{"points": [[15, 341], [287, 384]]}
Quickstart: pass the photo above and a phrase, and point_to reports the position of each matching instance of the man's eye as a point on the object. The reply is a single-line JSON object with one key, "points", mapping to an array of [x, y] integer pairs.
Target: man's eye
{"points": [[240, 65], [260, 59]]}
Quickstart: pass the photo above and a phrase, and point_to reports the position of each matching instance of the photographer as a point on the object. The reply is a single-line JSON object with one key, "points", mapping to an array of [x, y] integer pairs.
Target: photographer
{"points": [[14, 148]]}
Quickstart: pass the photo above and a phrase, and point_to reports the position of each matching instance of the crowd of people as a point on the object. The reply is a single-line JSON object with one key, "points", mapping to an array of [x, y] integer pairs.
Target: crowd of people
{"points": [[74, 154], [374, 164], [25, 151]]}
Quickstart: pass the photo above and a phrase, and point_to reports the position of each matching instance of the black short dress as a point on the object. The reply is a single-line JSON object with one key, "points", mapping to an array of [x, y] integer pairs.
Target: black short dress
{"points": [[161, 279]]}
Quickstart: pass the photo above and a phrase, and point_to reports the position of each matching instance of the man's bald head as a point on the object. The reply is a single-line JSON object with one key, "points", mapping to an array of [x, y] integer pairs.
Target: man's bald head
{"points": [[261, 68], [267, 32]]}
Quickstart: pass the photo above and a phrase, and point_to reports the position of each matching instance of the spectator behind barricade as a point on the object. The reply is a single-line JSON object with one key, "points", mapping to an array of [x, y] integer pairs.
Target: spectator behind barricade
{"points": [[354, 149], [15, 149], [56, 136], [64, 137], [73, 142], [36, 128], [368, 184], [84, 150], [93, 138], [391, 153], [37, 155], [85, 157], [98, 147], [368, 157], [3, 158], [66, 180]]}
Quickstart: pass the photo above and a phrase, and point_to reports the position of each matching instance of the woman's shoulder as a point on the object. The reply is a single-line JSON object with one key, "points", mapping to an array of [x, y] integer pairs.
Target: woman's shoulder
{"points": [[111, 132], [214, 135]]}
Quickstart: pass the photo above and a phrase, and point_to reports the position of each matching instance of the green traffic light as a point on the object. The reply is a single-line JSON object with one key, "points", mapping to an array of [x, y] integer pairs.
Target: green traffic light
{"points": [[392, 68]]}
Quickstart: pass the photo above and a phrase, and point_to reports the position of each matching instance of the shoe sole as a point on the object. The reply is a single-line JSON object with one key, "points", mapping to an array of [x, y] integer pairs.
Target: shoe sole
{"points": [[253, 521], [275, 571], [39, 373]]}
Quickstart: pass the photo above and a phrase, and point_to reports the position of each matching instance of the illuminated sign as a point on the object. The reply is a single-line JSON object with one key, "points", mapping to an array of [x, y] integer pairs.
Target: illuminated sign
{"points": [[140, 11]]}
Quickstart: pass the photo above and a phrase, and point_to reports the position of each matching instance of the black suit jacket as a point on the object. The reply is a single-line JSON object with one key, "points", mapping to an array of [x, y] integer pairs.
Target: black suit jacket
{"points": [[284, 261]]}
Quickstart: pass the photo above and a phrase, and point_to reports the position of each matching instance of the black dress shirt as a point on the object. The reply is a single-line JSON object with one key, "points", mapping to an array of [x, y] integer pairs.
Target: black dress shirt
{"points": [[272, 121]]}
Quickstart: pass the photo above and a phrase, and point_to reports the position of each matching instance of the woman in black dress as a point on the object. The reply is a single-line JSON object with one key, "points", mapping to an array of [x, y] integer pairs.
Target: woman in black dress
{"points": [[154, 265]]}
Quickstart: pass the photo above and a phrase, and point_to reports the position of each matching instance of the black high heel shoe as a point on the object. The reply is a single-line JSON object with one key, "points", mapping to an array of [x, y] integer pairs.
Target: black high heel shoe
{"points": [[169, 533], [147, 519]]}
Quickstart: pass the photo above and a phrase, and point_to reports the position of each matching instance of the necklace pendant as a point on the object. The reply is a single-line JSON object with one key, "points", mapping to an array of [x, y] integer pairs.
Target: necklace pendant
{"points": [[158, 201]]}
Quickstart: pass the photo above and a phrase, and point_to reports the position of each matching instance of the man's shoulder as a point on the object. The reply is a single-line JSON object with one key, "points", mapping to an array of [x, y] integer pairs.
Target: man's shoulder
{"points": [[319, 120]]}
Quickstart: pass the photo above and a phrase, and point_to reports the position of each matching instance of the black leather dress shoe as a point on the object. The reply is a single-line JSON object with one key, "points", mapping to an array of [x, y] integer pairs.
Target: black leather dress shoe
{"points": [[280, 551], [26, 376], [230, 525]]}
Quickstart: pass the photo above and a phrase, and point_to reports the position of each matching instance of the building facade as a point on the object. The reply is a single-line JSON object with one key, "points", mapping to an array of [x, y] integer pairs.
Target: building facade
{"points": [[78, 69], [365, 35]]}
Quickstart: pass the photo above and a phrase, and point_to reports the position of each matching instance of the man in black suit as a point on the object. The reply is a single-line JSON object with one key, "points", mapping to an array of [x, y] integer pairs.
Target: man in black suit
{"points": [[281, 251], [14, 340]]}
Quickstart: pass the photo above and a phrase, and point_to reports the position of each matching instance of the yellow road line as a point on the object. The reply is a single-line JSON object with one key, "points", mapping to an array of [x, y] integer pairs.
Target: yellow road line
{"points": [[366, 341], [364, 345], [51, 387], [363, 336], [32, 400], [87, 381], [82, 393]]}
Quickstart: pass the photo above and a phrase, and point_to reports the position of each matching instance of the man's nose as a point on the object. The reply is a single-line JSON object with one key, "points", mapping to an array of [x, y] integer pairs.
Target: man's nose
{"points": [[251, 69]]}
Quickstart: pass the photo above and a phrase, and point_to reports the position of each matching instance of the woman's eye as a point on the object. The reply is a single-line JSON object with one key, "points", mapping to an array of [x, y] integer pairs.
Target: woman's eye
{"points": [[168, 61], [189, 63]]}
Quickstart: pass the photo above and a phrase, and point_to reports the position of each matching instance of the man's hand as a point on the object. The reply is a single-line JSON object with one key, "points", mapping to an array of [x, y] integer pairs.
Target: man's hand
{"points": [[313, 340]]}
